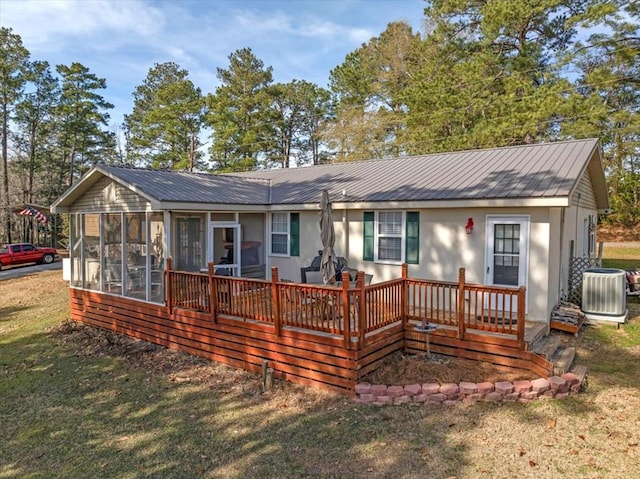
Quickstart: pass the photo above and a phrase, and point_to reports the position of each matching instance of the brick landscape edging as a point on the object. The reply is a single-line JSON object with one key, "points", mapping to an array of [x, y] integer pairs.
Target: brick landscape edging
{"points": [[554, 387]]}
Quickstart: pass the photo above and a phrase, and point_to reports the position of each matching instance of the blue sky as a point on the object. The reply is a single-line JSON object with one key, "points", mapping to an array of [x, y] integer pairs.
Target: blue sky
{"points": [[119, 40]]}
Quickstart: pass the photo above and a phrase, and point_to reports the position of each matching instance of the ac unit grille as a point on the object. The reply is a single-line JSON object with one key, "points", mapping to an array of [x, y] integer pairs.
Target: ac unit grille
{"points": [[603, 291]]}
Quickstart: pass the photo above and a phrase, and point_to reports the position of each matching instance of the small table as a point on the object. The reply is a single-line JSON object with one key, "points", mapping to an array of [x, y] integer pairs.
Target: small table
{"points": [[427, 329]]}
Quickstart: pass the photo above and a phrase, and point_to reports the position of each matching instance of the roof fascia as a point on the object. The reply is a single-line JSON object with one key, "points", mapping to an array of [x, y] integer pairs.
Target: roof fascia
{"points": [[489, 203], [599, 181], [596, 172], [61, 205]]}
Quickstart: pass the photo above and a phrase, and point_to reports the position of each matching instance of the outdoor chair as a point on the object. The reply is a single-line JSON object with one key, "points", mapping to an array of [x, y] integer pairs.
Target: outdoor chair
{"points": [[340, 263], [113, 277], [314, 277], [303, 306]]}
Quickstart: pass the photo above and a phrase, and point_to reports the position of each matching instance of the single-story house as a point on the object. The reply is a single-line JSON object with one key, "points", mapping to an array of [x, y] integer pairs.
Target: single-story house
{"points": [[506, 215]]}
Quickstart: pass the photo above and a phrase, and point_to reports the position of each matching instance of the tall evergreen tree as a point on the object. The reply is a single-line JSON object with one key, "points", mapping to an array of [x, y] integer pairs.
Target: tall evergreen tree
{"points": [[35, 131], [609, 66], [166, 120], [298, 108], [82, 117], [240, 114], [14, 61], [318, 111], [489, 74], [369, 93]]}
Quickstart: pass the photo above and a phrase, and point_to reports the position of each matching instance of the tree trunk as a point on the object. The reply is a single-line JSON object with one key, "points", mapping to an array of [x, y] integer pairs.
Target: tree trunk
{"points": [[5, 171]]}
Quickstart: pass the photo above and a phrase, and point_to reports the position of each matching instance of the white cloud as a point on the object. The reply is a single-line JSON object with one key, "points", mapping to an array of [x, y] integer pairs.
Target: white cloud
{"points": [[303, 24], [120, 40], [50, 24]]}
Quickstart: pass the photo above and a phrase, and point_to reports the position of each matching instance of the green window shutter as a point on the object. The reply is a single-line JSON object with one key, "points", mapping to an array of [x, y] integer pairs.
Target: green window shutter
{"points": [[369, 220], [412, 247], [294, 234]]}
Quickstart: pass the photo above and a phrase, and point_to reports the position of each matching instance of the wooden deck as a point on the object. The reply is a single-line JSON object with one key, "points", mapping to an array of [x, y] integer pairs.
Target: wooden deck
{"points": [[329, 337]]}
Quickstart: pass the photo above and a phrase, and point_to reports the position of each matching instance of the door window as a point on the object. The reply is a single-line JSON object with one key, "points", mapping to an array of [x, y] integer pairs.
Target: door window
{"points": [[506, 254], [189, 236]]}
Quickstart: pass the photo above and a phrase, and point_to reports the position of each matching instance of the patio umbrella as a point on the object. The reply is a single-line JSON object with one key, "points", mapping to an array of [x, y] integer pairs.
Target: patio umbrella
{"points": [[328, 237]]}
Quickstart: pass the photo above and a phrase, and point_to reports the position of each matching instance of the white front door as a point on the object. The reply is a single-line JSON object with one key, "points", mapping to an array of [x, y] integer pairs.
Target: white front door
{"points": [[507, 251]]}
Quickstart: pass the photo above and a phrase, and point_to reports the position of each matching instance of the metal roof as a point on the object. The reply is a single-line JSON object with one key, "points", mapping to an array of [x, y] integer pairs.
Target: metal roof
{"points": [[180, 186], [547, 170]]}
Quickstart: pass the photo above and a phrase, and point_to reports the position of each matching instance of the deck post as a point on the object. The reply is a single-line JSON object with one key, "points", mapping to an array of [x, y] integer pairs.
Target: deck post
{"points": [[212, 292], [405, 293], [275, 299], [362, 304], [168, 290], [404, 305], [521, 307], [460, 306], [346, 309]]}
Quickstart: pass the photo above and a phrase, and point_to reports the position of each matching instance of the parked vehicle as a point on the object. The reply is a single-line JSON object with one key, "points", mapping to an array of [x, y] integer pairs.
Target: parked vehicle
{"points": [[633, 283], [22, 253]]}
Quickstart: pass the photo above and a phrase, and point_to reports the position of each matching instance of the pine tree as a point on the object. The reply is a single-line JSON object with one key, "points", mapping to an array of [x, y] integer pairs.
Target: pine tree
{"points": [[240, 114], [163, 129], [81, 116], [14, 59]]}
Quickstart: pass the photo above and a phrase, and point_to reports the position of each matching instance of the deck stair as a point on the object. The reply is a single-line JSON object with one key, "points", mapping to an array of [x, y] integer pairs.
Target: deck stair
{"points": [[550, 348], [562, 360], [546, 346]]}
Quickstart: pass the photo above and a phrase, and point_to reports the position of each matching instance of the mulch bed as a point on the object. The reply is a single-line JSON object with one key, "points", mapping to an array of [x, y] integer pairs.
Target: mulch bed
{"points": [[399, 369]]}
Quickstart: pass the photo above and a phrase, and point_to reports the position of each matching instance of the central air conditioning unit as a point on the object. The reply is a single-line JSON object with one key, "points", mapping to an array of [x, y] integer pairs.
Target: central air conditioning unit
{"points": [[604, 296]]}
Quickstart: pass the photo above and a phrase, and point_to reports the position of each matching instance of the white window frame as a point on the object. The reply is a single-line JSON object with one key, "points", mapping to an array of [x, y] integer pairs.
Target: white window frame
{"points": [[377, 236], [287, 233]]}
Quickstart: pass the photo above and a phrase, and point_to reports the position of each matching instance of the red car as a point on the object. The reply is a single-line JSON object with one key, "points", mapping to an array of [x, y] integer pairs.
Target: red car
{"points": [[633, 283], [21, 253]]}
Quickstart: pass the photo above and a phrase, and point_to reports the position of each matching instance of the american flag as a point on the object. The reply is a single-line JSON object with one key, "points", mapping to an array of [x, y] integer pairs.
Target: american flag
{"points": [[31, 211]]}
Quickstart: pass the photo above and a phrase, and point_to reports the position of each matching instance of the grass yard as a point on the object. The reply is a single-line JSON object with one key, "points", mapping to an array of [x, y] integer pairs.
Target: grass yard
{"points": [[80, 403]]}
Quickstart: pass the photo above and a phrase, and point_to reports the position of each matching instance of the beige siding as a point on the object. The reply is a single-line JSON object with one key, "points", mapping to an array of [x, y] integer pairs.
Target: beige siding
{"points": [[444, 248], [107, 195], [583, 209], [584, 190]]}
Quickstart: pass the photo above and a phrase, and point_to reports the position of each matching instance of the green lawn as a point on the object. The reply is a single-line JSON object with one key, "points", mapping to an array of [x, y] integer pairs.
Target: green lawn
{"points": [[68, 410], [627, 257]]}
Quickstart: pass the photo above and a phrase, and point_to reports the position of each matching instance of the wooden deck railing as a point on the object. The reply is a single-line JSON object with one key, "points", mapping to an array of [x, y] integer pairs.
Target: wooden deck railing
{"points": [[188, 290], [244, 298], [352, 312], [384, 304], [467, 306]]}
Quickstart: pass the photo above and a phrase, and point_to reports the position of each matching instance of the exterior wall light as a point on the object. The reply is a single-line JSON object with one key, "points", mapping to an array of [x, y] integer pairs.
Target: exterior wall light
{"points": [[469, 226]]}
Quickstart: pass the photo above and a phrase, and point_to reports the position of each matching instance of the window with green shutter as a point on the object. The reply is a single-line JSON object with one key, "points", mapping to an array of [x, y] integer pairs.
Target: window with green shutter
{"points": [[294, 235], [391, 237], [412, 246], [285, 234], [368, 252]]}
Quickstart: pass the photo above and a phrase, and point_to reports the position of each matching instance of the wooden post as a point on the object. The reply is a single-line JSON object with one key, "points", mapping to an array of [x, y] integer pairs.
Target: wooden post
{"points": [[169, 291], [346, 309], [275, 299], [362, 312], [521, 308], [212, 292], [405, 295], [461, 305], [600, 248]]}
